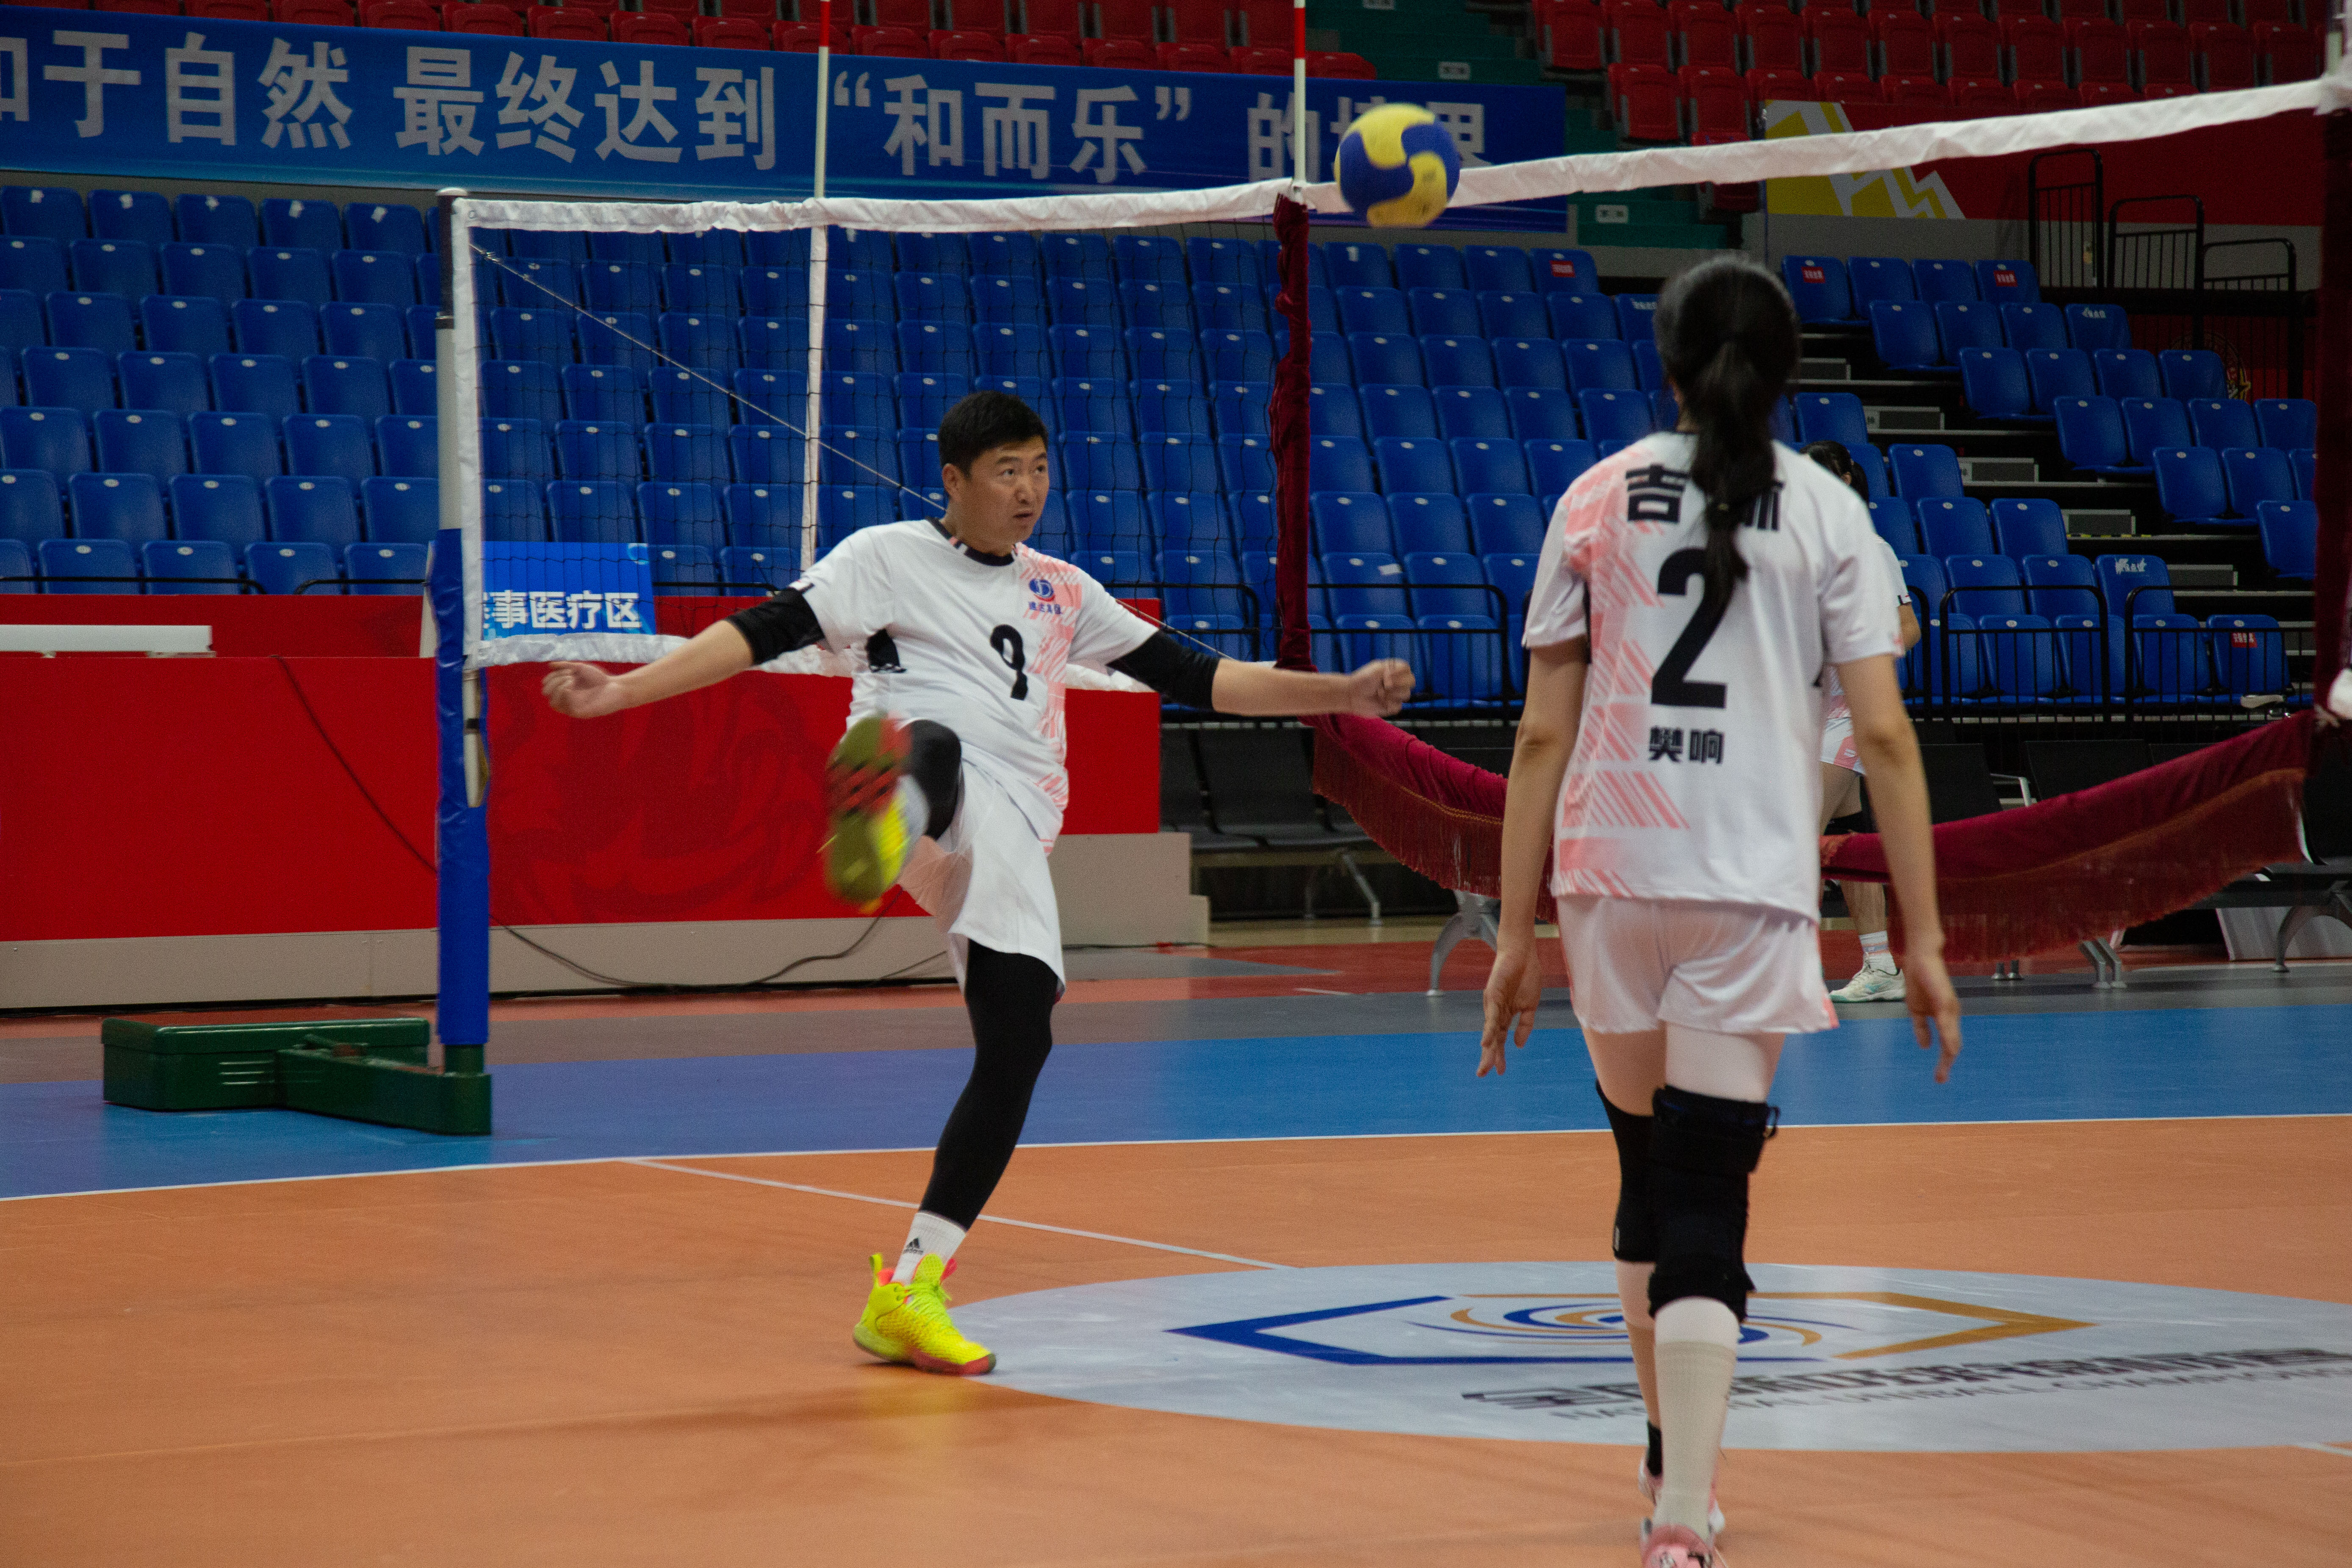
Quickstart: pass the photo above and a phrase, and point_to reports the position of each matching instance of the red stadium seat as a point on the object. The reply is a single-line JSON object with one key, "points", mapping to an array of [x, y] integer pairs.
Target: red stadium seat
{"points": [[890, 42], [1718, 106], [2130, 11], [2225, 55], [1121, 54], [2093, 10], [1765, 86], [726, 33], [2015, 10], [2037, 49], [1912, 89], [975, 46], [1044, 49], [584, 25], [1980, 92], [2195, 11], [1841, 40], [761, 11], [1640, 35], [1644, 101], [487, 21], [228, 10], [2096, 93], [141, 8], [1342, 65], [1199, 21], [1265, 24], [2288, 53], [1971, 45], [660, 28], [2253, 13], [974, 16], [2035, 96], [1251, 61], [1194, 57], [1056, 19], [1846, 86], [413, 15], [1573, 35], [1906, 44], [686, 11], [1125, 19], [2163, 51], [319, 13], [2100, 51], [1709, 37], [915, 16]]}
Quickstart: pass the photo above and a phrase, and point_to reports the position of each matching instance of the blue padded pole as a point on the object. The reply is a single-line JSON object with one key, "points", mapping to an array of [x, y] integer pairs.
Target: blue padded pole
{"points": [[460, 823]]}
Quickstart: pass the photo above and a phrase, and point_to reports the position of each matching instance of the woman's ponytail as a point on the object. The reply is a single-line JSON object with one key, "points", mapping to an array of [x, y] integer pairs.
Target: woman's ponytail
{"points": [[1729, 339]]}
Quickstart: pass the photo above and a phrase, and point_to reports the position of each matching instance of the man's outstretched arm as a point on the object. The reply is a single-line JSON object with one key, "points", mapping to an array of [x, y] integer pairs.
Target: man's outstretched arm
{"points": [[774, 626], [1196, 677]]}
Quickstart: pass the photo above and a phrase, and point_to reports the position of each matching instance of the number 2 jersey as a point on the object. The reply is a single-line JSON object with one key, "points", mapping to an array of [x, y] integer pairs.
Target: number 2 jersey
{"points": [[1693, 774], [974, 642]]}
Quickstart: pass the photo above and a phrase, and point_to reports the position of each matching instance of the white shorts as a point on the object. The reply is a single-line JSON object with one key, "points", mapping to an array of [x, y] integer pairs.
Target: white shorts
{"points": [[1736, 969], [986, 881], [1838, 749]]}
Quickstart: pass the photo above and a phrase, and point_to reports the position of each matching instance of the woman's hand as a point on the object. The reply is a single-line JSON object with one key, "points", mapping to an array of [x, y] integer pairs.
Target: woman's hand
{"points": [[1928, 993], [1514, 987], [1381, 688], [582, 691]]}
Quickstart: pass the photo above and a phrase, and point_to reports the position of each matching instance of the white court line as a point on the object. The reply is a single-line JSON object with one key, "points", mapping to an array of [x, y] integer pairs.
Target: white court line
{"points": [[990, 1219], [2341, 1450]]}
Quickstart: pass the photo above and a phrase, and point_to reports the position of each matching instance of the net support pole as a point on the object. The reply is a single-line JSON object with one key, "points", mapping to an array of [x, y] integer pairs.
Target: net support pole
{"points": [[812, 407], [2332, 583], [1298, 90], [1293, 648], [461, 826]]}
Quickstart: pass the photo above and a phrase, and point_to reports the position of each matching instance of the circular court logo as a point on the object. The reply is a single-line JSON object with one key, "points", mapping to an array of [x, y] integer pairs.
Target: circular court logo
{"points": [[1887, 1359]]}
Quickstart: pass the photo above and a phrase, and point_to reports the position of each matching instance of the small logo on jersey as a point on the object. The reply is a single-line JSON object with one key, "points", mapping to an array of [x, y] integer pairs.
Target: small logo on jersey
{"points": [[1675, 746], [1042, 586]]}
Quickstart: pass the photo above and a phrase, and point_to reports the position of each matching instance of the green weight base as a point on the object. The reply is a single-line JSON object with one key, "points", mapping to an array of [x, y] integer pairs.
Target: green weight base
{"points": [[364, 1069]]}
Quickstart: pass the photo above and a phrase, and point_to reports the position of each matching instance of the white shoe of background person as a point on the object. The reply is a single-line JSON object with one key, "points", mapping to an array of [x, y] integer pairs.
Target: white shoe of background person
{"points": [[1872, 984]]}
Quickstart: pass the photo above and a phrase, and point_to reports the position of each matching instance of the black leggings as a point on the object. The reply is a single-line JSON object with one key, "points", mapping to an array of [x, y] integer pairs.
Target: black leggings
{"points": [[1011, 997]]}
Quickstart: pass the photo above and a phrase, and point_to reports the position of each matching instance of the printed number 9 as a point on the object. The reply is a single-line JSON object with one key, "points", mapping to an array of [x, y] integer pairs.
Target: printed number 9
{"points": [[1006, 641]]}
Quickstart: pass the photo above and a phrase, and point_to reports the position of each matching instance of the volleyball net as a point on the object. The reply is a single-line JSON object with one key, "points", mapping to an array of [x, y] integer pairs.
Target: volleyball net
{"points": [[641, 398]]}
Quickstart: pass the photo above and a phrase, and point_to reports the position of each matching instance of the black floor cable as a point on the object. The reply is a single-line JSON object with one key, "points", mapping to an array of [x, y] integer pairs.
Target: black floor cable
{"points": [[424, 860]]}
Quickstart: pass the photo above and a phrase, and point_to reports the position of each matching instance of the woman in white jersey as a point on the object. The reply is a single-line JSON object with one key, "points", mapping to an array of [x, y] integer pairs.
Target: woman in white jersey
{"points": [[1878, 979], [1692, 589]]}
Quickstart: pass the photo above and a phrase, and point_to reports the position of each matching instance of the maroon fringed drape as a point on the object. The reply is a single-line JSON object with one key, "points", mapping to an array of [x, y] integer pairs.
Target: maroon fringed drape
{"points": [[2332, 587], [1293, 647]]}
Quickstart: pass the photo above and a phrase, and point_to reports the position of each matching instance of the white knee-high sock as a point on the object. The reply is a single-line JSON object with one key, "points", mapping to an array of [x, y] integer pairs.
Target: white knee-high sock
{"points": [[928, 1236], [914, 806], [1699, 1339], [1633, 1297]]}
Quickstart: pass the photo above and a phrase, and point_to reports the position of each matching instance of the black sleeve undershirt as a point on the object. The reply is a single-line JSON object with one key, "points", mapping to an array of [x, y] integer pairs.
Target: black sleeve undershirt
{"points": [[777, 625], [1172, 668]]}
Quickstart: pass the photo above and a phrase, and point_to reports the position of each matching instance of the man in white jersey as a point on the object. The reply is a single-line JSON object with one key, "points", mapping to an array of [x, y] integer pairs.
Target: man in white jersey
{"points": [[950, 780], [1878, 979], [1690, 593]]}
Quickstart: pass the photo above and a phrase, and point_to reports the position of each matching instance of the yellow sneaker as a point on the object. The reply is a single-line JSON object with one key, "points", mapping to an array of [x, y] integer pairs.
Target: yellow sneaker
{"points": [[866, 844], [910, 1323]]}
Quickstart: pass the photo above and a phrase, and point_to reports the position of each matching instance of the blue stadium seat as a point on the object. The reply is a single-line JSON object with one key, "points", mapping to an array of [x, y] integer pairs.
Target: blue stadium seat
{"points": [[1223, 261], [385, 227], [1505, 524], [123, 267], [1146, 258], [2249, 656], [1994, 382], [1599, 364], [188, 566], [745, 569], [1334, 411], [1163, 302], [283, 328], [1924, 576], [1903, 334], [216, 219], [2152, 423], [400, 510], [860, 296], [1960, 324], [1236, 355], [1239, 408], [780, 291], [1985, 585], [1083, 301], [1109, 519], [924, 397], [2008, 282], [2289, 533], [1872, 277], [693, 339], [1649, 369], [515, 449], [933, 348], [590, 449], [1181, 463], [290, 273], [1636, 314], [1074, 256], [2220, 422], [1867, 459], [1831, 417], [1953, 525], [1537, 414], [193, 323], [2033, 326], [1373, 309], [1498, 268], [1385, 359], [2127, 373], [1159, 353], [2058, 373], [1940, 281], [1495, 467], [297, 221], [1187, 520], [1509, 315], [234, 443], [1618, 417], [1360, 265], [288, 566], [2096, 327], [700, 397], [2304, 462], [546, 335], [2059, 584], [1231, 306], [54, 212], [1818, 285], [514, 511], [844, 397], [1090, 351], [2169, 660], [128, 507], [56, 439], [2023, 528], [1099, 461], [1525, 363], [1008, 302], [1365, 584], [1443, 312], [32, 262], [1429, 522], [592, 511], [1429, 266], [88, 566], [1338, 463], [388, 277], [1352, 521], [2192, 372], [1398, 410], [1099, 406], [1203, 578], [333, 444], [618, 338], [393, 568], [534, 283], [1581, 316], [512, 389], [1553, 465], [1246, 463], [1178, 407], [2254, 475], [629, 286], [932, 297], [1447, 582], [773, 455], [333, 385], [2135, 584], [1896, 522], [850, 454], [761, 342], [2288, 421], [1408, 464], [315, 507], [408, 446], [31, 506], [1924, 471], [764, 517], [364, 332], [144, 441], [81, 379], [2091, 436], [1471, 411], [1010, 255], [2189, 484], [16, 573], [214, 271]]}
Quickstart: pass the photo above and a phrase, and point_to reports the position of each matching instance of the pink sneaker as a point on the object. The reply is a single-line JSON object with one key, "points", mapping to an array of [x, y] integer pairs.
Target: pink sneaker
{"points": [[1647, 1485], [1673, 1546]]}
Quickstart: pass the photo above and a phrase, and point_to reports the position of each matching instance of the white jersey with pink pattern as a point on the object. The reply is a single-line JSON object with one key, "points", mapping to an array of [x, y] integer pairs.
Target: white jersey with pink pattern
{"points": [[1838, 747], [979, 644], [1693, 774]]}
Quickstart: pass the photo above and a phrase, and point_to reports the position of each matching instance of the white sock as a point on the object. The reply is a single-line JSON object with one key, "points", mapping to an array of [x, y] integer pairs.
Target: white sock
{"points": [[1699, 1339], [928, 1236], [914, 809], [1874, 954]]}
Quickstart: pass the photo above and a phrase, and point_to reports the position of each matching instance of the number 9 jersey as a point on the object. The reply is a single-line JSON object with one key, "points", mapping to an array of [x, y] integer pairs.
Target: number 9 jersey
{"points": [[978, 643], [1695, 773]]}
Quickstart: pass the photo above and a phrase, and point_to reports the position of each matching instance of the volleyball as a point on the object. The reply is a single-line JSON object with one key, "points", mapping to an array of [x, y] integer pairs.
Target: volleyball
{"points": [[1397, 166]]}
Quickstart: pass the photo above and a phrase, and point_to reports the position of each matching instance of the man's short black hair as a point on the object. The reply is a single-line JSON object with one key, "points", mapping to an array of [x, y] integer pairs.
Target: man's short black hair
{"points": [[983, 421]]}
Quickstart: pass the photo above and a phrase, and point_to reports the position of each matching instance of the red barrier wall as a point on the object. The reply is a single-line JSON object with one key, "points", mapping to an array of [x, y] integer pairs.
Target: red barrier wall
{"points": [[181, 797]]}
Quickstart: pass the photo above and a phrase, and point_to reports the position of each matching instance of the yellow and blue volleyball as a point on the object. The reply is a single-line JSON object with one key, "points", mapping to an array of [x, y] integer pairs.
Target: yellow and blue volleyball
{"points": [[1397, 166]]}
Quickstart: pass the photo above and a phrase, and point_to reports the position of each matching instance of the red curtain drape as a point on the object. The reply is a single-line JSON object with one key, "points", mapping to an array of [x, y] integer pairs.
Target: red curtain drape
{"points": [[1293, 648]]}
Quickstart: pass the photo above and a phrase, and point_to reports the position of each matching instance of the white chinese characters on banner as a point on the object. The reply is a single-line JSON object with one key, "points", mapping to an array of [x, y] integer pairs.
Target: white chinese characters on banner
{"points": [[93, 73], [739, 115], [16, 80], [1469, 124], [1270, 126], [199, 93], [517, 611], [1013, 136], [927, 117], [1108, 142], [439, 102], [539, 106], [644, 93], [300, 87]]}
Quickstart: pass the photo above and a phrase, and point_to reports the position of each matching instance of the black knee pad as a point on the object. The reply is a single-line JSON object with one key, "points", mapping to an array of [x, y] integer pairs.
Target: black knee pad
{"points": [[1635, 1237], [1702, 1151], [935, 760]]}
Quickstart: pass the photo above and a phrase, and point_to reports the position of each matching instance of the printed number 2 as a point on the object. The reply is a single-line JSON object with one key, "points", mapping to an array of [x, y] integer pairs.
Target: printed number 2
{"points": [[1667, 687], [1006, 641]]}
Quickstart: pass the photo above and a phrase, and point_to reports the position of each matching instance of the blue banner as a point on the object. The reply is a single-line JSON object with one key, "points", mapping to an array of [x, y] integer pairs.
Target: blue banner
{"points": [[138, 96], [551, 590]]}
